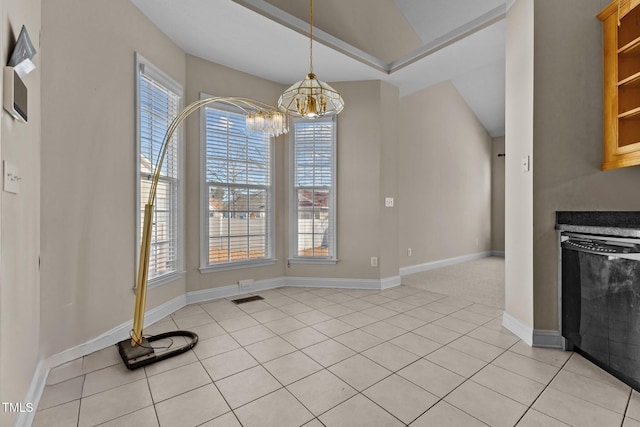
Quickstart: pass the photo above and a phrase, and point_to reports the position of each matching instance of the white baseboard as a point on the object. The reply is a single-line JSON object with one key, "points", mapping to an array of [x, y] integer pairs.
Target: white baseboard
{"points": [[533, 337], [318, 282], [518, 328], [549, 339], [116, 334], [390, 282], [233, 290], [303, 282], [405, 271], [106, 339], [38, 382], [499, 254]]}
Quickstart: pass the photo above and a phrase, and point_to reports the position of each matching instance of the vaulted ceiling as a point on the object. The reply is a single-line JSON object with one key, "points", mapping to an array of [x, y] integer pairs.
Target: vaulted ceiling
{"points": [[412, 44]]}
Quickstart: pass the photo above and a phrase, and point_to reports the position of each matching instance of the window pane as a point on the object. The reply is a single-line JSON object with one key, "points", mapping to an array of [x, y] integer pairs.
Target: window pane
{"points": [[157, 107], [219, 249], [313, 223], [237, 172], [258, 201], [314, 181], [256, 247], [240, 165]]}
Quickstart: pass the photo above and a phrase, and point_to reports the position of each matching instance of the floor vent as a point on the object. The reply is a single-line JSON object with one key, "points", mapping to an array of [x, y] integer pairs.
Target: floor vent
{"points": [[247, 299]]}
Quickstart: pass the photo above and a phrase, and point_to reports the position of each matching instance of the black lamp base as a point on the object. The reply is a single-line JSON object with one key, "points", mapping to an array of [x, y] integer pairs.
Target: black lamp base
{"points": [[144, 354]]}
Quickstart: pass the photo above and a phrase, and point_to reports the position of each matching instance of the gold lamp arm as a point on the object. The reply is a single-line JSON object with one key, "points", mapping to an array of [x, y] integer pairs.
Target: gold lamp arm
{"points": [[245, 105]]}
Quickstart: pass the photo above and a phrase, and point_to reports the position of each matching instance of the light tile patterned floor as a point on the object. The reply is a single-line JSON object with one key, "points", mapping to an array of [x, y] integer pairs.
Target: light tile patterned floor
{"points": [[336, 357]]}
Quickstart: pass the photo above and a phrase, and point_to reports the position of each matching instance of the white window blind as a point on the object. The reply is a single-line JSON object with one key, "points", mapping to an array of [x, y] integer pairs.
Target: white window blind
{"points": [[238, 179], [159, 101], [313, 194]]}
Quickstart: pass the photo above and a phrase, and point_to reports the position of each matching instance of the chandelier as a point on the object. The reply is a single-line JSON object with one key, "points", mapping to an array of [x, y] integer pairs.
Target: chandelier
{"points": [[269, 122], [310, 98]]}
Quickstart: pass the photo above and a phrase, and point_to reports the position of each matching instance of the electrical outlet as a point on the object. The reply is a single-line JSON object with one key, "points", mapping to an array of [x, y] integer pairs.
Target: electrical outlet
{"points": [[374, 261], [245, 285], [388, 202]]}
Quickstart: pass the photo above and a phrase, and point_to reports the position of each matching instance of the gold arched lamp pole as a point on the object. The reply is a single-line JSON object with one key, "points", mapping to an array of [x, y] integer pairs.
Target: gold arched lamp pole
{"points": [[261, 118]]}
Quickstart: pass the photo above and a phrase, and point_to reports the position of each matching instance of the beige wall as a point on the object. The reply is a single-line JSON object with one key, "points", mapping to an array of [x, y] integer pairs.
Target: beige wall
{"points": [[444, 179], [87, 195], [77, 208], [519, 144], [88, 206], [20, 221], [360, 141], [88, 171], [389, 167], [217, 80], [366, 170], [568, 137], [497, 194]]}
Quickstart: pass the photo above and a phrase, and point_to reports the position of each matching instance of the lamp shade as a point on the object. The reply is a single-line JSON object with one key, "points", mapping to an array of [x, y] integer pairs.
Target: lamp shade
{"points": [[22, 54], [311, 98]]}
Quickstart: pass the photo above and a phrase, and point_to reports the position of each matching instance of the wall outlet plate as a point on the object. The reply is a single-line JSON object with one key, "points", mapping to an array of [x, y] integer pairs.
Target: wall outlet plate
{"points": [[245, 285], [11, 181]]}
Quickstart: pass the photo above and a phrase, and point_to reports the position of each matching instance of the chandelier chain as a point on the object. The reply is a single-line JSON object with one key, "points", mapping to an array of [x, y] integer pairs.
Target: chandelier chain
{"points": [[311, 37], [310, 98]]}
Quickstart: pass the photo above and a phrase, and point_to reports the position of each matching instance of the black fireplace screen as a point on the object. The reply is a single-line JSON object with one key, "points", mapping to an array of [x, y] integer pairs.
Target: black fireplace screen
{"points": [[601, 311]]}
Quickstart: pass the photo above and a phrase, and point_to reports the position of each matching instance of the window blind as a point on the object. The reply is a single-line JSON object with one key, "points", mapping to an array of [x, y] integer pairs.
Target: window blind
{"points": [[314, 189], [238, 179], [157, 107]]}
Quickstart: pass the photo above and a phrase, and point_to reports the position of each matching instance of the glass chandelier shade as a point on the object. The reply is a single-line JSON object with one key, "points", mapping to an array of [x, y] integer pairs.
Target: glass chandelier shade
{"points": [[273, 123], [310, 98]]}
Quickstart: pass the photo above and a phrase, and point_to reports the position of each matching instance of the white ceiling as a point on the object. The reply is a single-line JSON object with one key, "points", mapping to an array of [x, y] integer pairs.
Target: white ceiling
{"points": [[464, 42]]}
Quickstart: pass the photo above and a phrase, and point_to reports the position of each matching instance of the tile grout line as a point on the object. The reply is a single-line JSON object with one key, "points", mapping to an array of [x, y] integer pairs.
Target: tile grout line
{"points": [[626, 408], [80, 400], [543, 390], [153, 403]]}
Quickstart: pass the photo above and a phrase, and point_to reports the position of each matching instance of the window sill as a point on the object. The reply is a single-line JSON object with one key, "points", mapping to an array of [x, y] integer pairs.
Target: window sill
{"points": [[313, 260], [237, 265]]}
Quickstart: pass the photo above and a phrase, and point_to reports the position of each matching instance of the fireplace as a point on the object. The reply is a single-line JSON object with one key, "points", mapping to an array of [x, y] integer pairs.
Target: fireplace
{"points": [[600, 289]]}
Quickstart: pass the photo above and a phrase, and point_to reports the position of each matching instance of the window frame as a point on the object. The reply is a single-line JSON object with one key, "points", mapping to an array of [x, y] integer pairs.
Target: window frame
{"points": [[332, 258], [270, 235], [143, 65]]}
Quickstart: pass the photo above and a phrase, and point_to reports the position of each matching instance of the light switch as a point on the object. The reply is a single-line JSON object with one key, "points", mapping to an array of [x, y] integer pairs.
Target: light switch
{"points": [[388, 202], [11, 178]]}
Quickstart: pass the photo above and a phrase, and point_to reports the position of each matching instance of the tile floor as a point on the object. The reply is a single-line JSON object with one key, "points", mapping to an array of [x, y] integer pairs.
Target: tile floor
{"points": [[332, 357]]}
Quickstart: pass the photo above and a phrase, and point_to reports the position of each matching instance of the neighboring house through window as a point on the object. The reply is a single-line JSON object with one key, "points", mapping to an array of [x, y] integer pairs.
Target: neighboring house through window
{"points": [[237, 197], [159, 100], [313, 190]]}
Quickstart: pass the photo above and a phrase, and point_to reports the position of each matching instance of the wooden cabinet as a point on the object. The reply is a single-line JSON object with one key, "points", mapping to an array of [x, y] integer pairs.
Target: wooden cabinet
{"points": [[621, 46]]}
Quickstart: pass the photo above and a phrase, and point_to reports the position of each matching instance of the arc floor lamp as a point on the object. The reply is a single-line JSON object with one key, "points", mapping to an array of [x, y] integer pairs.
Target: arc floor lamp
{"points": [[309, 98], [138, 351]]}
